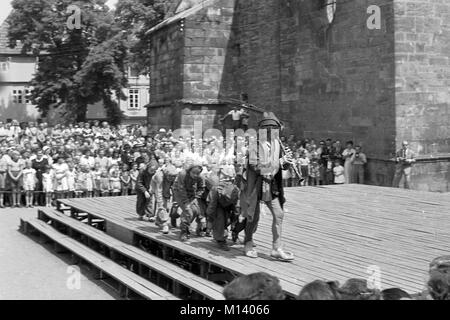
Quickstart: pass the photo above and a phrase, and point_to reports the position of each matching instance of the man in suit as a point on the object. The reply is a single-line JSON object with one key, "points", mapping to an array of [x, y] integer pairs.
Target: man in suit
{"points": [[404, 158]]}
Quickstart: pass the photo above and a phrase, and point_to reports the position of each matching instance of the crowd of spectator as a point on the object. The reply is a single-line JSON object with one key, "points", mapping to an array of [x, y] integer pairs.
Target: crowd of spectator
{"points": [[40, 163], [324, 163]]}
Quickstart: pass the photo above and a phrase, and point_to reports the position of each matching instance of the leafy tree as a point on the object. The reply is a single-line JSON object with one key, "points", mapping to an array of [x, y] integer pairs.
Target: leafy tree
{"points": [[136, 17], [76, 67]]}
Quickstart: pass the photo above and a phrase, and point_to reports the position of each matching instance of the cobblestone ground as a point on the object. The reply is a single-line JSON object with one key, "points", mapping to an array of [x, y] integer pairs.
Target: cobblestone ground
{"points": [[30, 271]]}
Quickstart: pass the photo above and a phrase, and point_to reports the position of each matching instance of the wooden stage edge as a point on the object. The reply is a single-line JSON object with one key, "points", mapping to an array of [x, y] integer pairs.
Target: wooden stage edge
{"points": [[335, 232]]}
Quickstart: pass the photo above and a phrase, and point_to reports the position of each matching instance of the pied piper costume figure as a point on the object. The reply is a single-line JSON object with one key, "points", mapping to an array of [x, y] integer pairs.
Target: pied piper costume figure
{"points": [[262, 182], [188, 191]]}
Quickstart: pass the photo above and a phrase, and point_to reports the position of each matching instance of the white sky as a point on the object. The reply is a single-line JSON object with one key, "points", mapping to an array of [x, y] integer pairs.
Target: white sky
{"points": [[5, 8]]}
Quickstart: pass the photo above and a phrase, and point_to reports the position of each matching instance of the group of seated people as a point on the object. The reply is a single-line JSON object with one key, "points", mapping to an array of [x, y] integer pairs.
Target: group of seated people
{"points": [[263, 286]]}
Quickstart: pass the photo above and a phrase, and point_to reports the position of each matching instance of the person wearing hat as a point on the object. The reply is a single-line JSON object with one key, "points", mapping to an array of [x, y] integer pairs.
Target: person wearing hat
{"points": [[262, 182], [188, 190], [145, 204]]}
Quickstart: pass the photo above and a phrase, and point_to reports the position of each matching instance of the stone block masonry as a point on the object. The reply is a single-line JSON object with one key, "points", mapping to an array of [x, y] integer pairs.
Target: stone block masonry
{"points": [[339, 80]]}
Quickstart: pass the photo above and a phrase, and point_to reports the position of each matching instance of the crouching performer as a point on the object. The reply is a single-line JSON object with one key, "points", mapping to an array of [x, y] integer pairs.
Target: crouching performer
{"points": [[262, 182], [223, 204], [161, 206], [188, 189], [145, 204]]}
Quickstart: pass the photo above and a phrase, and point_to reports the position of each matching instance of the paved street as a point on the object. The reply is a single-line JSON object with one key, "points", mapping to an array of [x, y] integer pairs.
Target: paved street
{"points": [[30, 271]]}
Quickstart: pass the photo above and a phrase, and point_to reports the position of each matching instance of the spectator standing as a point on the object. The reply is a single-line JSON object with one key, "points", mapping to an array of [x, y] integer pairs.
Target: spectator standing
{"points": [[404, 158], [47, 183], [29, 183], [347, 155], [303, 163], [358, 160], [39, 163], [15, 181], [338, 172], [3, 176]]}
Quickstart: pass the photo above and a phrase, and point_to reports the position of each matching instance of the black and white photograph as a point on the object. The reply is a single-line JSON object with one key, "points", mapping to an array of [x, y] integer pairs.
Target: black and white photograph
{"points": [[224, 150]]}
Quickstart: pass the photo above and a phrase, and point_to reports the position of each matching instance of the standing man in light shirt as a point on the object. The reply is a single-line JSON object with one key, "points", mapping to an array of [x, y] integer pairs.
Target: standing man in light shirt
{"points": [[235, 116], [404, 158], [358, 161]]}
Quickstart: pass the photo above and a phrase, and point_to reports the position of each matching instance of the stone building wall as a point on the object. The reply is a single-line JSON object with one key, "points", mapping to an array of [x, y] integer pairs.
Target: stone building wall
{"points": [[422, 43], [187, 72], [166, 83], [323, 80], [423, 75]]}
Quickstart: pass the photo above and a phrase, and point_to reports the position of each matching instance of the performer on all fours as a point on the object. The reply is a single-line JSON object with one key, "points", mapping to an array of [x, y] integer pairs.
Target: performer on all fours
{"points": [[263, 183]]}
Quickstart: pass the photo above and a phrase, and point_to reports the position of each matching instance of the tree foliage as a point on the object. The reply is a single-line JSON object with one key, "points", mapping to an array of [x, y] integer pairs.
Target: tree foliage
{"points": [[76, 67], [136, 17], [88, 65]]}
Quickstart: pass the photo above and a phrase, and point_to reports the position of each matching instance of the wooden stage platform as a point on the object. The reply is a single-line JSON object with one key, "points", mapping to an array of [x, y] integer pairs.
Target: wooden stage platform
{"points": [[336, 233]]}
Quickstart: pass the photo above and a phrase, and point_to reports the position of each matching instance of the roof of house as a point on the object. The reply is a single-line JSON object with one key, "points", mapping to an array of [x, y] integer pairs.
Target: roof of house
{"points": [[184, 9], [4, 48]]}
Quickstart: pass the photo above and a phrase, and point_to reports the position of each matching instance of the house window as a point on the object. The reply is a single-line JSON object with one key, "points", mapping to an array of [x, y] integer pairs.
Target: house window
{"points": [[27, 96], [133, 99], [18, 96]]}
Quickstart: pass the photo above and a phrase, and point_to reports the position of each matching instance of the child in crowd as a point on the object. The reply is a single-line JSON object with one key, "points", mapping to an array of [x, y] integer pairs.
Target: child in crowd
{"points": [[303, 166], [47, 183], [89, 182], [134, 173], [80, 182], [338, 172], [104, 184], [96, 175], [3, 173], [61, 169], [114, 182], [287, 176], [29, 183], [71, 177], [15, 178], [314, 172], [125, 180]]}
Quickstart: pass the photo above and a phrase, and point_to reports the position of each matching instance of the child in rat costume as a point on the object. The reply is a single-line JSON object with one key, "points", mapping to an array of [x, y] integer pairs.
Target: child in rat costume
{"points": [[188, 191]]}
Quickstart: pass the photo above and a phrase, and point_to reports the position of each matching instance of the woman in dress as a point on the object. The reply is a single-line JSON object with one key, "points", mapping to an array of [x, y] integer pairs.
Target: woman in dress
{"points": [[115, 184], [61, 168], [47, 185], [29, 183], [347, 155], [71, 177]]}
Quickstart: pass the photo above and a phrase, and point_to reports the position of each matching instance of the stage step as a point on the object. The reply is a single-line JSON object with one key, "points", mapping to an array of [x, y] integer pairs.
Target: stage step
{"points": [[206, 260], [176, 278], [128, 281]]}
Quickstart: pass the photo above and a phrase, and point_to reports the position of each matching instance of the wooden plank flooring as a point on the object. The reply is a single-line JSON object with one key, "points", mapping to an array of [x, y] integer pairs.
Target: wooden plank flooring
{"points": [[336, 233]]}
